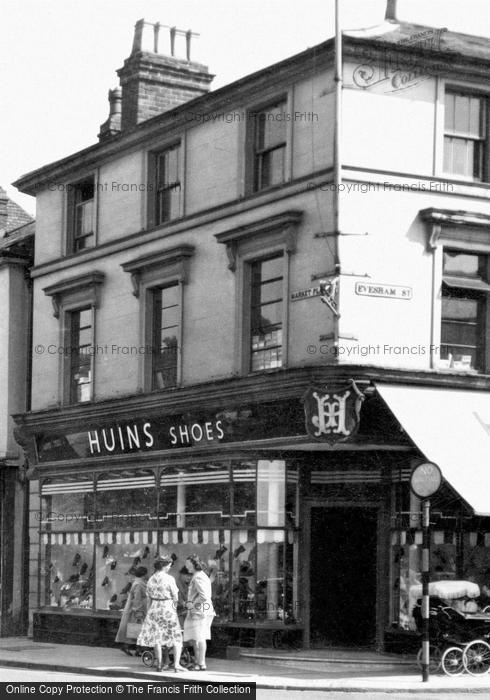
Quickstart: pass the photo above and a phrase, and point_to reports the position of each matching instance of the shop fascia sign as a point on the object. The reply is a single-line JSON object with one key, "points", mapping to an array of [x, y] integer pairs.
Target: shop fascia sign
{"points": [[134, 436], [332, 413]]}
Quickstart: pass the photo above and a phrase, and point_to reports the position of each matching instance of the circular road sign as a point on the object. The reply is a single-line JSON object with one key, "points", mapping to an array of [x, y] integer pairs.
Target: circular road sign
{"points": [[426, 479]]}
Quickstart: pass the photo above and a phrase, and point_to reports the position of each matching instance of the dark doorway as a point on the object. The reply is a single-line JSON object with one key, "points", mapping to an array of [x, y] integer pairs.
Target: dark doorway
{"points": [[343, 576]]}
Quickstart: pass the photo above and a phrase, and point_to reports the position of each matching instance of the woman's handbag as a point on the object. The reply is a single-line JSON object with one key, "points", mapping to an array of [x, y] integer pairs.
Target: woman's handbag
{"points": [[133, 630]]}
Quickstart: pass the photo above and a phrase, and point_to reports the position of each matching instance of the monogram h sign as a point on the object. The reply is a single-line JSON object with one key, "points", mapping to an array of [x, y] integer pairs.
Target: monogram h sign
{"points": [[332, 414]]}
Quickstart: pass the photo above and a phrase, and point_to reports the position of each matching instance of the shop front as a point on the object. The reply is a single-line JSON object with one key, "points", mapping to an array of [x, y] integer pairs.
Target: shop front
{"points": [[306, 541]]}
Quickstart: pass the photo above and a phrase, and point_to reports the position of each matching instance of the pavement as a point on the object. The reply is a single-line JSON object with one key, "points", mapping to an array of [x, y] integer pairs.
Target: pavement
{"points": [[341, 671]]}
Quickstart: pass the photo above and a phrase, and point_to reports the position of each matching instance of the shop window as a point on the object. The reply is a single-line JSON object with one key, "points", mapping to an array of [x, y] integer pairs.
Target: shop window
{"points": [[270, 592], [195, 497], [465, 136], [166, 176], [117, 555], [266, 313], [259, 253], [292, 496], [464, 308], [166, 336], [158, 281], [269, 145], [81, 215], [126, 500], [67, 504], [244, 494], [271, 483], [66, 570], [244, 576]]}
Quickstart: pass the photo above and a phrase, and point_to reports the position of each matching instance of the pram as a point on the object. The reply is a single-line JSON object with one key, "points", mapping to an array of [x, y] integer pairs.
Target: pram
{"points": [[149, 659], [459, 641]]}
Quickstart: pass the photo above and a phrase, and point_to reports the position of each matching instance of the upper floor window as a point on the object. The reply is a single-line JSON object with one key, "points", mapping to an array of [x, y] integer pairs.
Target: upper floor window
{"points": [[464, 309], [81, 220], [81, 355], [266, 293], [168, 185], [166, 336], [269, 152], [465, 136]]}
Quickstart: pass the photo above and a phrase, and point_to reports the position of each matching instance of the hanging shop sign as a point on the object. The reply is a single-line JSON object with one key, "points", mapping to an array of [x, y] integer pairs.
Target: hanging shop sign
{"points": [[385, 291], [332, 414]]}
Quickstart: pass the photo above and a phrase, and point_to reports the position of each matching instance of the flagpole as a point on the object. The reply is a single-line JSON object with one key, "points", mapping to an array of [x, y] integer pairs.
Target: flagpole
{"points": [[337, 161]]}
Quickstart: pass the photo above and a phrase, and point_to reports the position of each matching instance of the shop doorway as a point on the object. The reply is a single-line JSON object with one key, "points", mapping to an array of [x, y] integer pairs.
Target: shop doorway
{"points": [[343, 576]]}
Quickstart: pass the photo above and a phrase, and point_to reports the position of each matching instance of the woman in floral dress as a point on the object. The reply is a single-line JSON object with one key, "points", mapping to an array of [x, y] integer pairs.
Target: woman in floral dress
{"points": [[161, 626]]}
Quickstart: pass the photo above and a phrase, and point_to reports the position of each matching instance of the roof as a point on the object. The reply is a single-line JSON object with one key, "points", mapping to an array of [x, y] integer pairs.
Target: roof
{"points": [[432, 39], [16, 215], [447, 49]]}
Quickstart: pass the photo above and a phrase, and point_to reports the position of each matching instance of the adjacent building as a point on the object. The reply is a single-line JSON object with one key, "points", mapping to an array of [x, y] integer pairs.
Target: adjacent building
{"points": [[16, 257], [238, 354]]}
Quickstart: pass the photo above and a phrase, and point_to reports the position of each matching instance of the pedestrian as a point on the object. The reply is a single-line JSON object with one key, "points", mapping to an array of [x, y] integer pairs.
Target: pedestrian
{"points": [[200, 611], [134, 610], [161, 626]]}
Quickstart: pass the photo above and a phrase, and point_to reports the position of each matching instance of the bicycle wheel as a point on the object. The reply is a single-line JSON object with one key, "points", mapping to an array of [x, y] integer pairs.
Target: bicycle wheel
{"points": [[452, 661], [476, 657], [148, 657], [435, 658]]}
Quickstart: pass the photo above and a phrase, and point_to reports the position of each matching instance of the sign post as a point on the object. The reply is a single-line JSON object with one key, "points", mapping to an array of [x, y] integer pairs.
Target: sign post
{"points": [[425, 481]]}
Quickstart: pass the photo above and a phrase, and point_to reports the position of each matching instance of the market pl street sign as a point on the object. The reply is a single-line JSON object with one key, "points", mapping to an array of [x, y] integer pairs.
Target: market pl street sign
{"points": [[426, 479], [305, 293], [332, 414], [386, 291]]}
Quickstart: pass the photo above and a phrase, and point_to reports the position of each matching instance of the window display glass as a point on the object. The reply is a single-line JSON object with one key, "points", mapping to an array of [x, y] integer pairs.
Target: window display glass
{"points": [[271, 483], [67, 570], [126, 499], [117, 555], [67, 503], [270, 589], [195, 496], [244, 490], [243, 574]]}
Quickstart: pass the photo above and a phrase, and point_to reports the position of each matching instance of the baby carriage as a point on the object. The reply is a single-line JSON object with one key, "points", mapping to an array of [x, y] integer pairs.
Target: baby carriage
{"points": [[149, 659], [459, 640]]}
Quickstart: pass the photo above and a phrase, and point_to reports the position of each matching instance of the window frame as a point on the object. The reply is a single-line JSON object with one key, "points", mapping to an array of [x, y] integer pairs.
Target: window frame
{"points": [[71, 238], [469, 288], [154, 156], [244, 245], [72, 295], [70, 386], [150, 272], [251, 131], [484, 140], [249, 287], [464, 232], [152, 302]]}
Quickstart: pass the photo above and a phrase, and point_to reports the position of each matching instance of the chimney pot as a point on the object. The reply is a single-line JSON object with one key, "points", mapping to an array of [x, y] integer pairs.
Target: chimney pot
{"points": [[390, 14], [152, 82], [112, 125]]}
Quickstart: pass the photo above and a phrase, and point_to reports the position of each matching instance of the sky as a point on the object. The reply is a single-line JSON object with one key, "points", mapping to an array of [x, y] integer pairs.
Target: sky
{"points": [[58, 57]]}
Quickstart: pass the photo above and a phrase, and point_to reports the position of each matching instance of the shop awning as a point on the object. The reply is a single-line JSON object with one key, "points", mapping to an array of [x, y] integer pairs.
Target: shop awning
{"points": [[452, 429]]}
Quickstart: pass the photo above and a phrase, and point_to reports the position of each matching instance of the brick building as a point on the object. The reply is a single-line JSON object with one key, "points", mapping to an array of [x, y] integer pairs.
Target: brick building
{"points": [[251, 324]]}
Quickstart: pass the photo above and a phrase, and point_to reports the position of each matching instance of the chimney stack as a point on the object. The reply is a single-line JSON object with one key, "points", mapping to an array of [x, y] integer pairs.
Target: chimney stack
{"points": [[154, 82], [390, 14], [112, 125]]}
